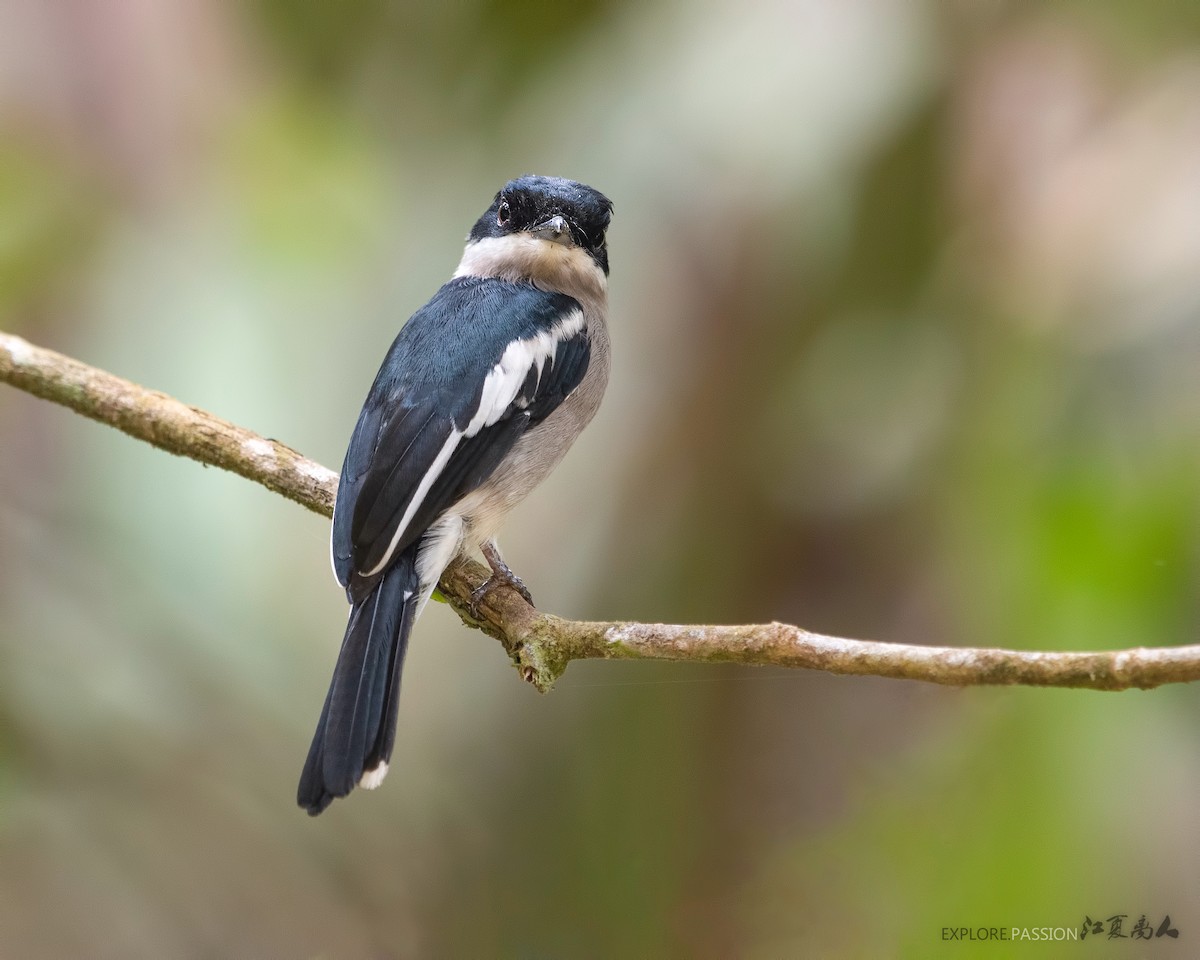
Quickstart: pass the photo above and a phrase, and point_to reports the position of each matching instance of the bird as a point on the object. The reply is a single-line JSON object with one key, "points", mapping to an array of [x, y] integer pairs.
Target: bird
{"points": [[480, 396]]}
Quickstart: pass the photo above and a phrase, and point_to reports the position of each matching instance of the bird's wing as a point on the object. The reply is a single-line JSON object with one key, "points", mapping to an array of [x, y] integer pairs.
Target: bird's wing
{"points": [[469, 373]]}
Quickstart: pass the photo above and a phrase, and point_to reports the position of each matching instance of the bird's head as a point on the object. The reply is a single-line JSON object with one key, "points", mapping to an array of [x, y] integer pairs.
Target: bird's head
{"points": [[547, 230]]}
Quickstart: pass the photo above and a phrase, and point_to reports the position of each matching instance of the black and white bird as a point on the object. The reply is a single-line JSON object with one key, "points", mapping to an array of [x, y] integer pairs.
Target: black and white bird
{"points": [[480, 396]]}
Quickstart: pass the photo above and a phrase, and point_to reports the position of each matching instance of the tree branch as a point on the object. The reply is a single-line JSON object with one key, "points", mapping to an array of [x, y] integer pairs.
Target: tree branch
{"points": [[542, 645]]}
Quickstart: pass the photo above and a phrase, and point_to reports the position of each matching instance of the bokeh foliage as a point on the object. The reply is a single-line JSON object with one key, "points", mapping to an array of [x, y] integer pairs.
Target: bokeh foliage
{"points": [[905, 308]]}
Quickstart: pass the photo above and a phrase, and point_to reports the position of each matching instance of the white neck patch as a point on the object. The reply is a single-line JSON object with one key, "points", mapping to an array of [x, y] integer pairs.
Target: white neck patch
{"points": [[544, 263]]}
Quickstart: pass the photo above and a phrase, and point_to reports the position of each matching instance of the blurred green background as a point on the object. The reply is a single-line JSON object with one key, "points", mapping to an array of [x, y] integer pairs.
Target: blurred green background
{"points": [[905, 302]]}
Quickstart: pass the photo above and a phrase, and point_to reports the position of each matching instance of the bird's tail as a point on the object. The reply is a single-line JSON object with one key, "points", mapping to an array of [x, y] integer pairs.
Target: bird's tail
{"points": [[357, 729]]}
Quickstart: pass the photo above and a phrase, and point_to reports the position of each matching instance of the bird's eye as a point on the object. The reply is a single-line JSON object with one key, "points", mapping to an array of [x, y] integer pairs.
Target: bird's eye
{"points": [[503, 214]]}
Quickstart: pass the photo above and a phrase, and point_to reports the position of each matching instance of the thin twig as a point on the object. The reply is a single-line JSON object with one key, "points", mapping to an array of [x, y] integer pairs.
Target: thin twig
{"points": [[542, 645]]}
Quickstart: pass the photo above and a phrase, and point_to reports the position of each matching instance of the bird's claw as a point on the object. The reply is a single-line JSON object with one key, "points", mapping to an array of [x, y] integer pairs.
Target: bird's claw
{"points": [[502, 576], [512, 581]]}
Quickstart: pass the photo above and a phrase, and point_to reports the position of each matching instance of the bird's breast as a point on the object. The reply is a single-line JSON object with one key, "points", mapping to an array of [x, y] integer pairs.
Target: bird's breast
{"points": [[541, 447]]}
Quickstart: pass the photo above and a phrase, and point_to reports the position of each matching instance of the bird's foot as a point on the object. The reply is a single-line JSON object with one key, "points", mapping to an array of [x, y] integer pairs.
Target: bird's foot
{"points": [[502, 575]]}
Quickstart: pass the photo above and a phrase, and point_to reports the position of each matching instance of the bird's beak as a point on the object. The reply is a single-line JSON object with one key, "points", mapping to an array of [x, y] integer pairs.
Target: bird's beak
{"points": [[554, 229]]}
